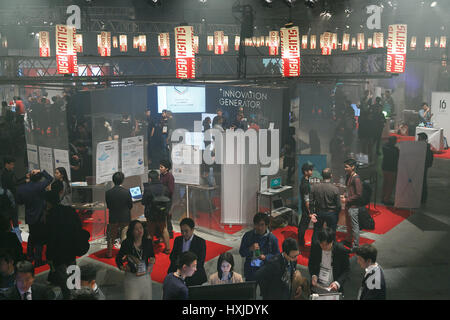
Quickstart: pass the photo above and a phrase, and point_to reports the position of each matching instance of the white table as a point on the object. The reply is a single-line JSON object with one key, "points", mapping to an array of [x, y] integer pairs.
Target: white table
{"points": [[435, 136], [270, 193]]}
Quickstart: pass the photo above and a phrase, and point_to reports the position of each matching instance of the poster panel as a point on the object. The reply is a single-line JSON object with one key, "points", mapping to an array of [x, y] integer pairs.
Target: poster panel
{"points": [[62, 160], [411, 166], [107, 161], [46, 159], [440, 108], [184, 169], [133, 156], [33, 160]]}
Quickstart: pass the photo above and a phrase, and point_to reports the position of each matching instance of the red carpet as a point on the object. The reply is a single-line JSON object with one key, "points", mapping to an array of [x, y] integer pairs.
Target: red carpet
{"points": [[159, 272], [291, 232], [386, 218], [94, 223], [443, 155], [212, 221], [403, 138]]}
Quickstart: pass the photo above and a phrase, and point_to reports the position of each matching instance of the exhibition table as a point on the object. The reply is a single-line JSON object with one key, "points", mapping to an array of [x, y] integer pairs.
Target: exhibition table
{"points": [[270, 193]]}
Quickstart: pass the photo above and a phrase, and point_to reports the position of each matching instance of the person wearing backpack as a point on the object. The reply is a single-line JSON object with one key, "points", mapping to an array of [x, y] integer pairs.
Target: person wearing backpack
{"points": [[156, 201], [354, 188]]}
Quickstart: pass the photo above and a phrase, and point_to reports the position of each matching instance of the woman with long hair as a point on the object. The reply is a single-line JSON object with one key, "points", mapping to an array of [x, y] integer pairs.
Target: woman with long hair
{"points": [[225, 273], [61, 175], [136, 257]]}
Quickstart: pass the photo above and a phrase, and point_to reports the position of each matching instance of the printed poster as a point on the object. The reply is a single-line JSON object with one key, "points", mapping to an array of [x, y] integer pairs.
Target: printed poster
{"points": [[184, 169], [107, 161], [62, 160], [33, 160], [133, 156], [46, 159]]}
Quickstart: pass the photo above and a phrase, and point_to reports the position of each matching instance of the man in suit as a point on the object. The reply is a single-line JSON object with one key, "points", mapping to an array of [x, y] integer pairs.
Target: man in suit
{"points": [[32, 196], [188, 241], [25, 288], [329, 264], [279, 279], [119, 203], [88, 281]]}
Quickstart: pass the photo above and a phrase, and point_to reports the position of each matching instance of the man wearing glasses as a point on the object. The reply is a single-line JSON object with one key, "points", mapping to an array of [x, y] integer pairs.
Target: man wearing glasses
{"points": [[279, 279]]}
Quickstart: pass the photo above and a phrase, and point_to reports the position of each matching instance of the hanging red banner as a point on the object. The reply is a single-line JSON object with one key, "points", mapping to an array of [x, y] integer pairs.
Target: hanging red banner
{"points": [[443, 43], [274, 41], [79, 42], [99, 44], [164, 44], [345, 42], [237, 42], [378, 40], [290, 51], [396, 49], [305, 42], [44, 44], [210, 43], [225, 44], [115, 42], [66, 55], [313, 42], [361, 41], [123, 43], [105, 44], [327, 43], [184, 52], [218, 42]]}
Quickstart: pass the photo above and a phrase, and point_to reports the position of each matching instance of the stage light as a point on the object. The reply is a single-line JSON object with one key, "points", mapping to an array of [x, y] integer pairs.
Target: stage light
{"points": [[290, 3], [268, 3], [155, 3], [310, 3], [433, 4], [203, 1]]}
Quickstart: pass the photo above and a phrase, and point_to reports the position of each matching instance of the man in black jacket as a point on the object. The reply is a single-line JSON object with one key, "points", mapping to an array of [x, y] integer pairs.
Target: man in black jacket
{"points": [[157, 205], [119, 203], [373, 285], [329, 264], [188, 241], [25, 288], [279, 279], [32, 196], [428, 163], [10, 182], [305, 190]]}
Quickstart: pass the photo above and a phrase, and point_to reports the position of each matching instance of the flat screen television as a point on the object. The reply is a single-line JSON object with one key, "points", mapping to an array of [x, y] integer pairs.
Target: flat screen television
{"points": [[181, 99], [232, 291]]}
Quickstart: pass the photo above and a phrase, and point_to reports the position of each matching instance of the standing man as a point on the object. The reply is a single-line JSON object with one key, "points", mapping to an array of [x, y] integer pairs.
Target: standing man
{"points": [[305, 190], [150, 132], [164, 125], [258, 246], [220, 120], [10, 182], [279, 279], [329, 264], [379, 122], [32, 195], [373, 284], [390, 162], [388, 104], [119, 203], [352, 203], [188, 241], [327, 200], [428, 163], [168, 180]]}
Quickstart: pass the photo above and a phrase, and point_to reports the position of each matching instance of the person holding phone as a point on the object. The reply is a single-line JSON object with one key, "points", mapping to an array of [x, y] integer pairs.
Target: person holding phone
{"points": [[136, 257]]}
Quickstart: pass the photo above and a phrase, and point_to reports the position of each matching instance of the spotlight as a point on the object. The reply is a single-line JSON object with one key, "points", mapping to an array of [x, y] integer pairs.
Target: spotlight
{"points": [[310, 3], [203, 1], [155, 3], [290, 3], [268, 3], [433, 4]]}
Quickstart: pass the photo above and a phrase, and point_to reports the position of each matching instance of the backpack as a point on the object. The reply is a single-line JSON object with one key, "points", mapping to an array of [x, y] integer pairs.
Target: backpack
{"points": [[159, 204], [366, 193], [365, 219]]}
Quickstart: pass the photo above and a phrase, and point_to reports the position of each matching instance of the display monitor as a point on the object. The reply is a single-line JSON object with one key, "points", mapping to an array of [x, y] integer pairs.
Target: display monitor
{"points": [[136, 193], [231, 291], [181, 99], [275, 183]]}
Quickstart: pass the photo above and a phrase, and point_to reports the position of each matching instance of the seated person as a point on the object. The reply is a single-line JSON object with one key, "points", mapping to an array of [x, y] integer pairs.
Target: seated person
{"points": [[258, 246], [25, 288], [174, 286], [88, 280], [278, 278], [7, 277], [329, 264], [373, 284], [225, 273], [188, 241]]}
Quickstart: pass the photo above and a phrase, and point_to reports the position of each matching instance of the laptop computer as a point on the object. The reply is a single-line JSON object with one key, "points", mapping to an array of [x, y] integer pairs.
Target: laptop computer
{"points": [[275, 183], [136, 193]]}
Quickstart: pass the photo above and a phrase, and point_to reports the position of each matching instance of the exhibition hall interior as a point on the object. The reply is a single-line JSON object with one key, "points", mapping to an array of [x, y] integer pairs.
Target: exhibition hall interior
{"points": [[224, 150]]}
